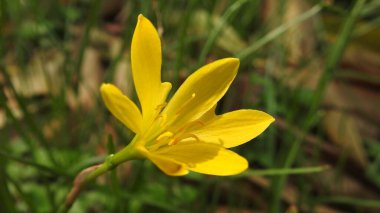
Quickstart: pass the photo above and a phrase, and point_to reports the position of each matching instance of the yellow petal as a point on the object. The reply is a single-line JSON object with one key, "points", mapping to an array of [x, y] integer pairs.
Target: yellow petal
{"points": [[168, 166], [233, 128], [146, 65], [121, 107], [201, 91], [205, 158]]}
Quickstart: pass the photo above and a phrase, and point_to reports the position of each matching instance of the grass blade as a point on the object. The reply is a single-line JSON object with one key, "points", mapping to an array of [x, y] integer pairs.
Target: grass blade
{"points": [[332, 60], [245, 54]]}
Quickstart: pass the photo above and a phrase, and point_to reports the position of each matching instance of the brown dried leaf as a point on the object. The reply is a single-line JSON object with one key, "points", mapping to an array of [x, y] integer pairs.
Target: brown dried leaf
{"points": [[300, 40], [91, 78], [342, 129], [41, 76]]}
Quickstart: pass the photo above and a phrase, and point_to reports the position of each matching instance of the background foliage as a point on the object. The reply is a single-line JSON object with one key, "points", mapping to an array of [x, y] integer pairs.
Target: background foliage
{"points": [[313, 65]]}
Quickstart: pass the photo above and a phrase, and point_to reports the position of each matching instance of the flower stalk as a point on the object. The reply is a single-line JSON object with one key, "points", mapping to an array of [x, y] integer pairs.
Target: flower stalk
{"points": [[91, 173]]}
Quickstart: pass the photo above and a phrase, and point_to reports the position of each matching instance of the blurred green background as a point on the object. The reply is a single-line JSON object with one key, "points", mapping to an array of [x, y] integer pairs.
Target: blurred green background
{"points": [[314, 65]]}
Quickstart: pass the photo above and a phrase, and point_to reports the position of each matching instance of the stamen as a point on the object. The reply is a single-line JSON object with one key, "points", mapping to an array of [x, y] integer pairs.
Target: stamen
{"points": [[163, 118], [192, 136], [161, 140], [182, 133], [169, 138], [173, 141], [185, 105], [199, 122], [164, 136], [190, 124], [161, 106]]}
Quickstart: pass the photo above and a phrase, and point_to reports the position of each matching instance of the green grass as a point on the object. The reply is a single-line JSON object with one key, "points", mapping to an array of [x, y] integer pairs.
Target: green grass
{"points": [[50, 129]]}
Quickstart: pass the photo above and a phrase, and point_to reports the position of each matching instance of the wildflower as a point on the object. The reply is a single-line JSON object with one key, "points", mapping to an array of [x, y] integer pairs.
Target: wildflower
{"points": [[183, 134]]}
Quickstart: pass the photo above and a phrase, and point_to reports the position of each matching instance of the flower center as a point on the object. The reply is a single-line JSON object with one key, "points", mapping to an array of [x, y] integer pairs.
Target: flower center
{"points": [[163, 133], [168, 138]]}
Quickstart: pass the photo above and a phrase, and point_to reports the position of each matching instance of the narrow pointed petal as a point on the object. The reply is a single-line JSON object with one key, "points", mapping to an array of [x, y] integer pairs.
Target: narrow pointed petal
{"points": [[121, 107], [146, 65], [167, 165], [205, 158], [234, 128], [201, 91]]}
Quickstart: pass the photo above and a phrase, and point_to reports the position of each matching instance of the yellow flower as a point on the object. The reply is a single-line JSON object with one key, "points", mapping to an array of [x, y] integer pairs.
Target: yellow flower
{"points": [[183, 134]]}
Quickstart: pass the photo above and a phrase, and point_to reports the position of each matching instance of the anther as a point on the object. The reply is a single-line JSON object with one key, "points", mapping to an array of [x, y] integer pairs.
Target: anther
{"points": [[161, 140], [192, 136], [164, 118], [161, 106], [164, 136], [173, 141]]}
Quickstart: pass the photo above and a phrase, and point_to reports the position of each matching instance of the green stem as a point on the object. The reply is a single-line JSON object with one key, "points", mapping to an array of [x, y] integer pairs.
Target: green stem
{"points": [[6, 199], [351, 201], [286, 171], [112, 161]]}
